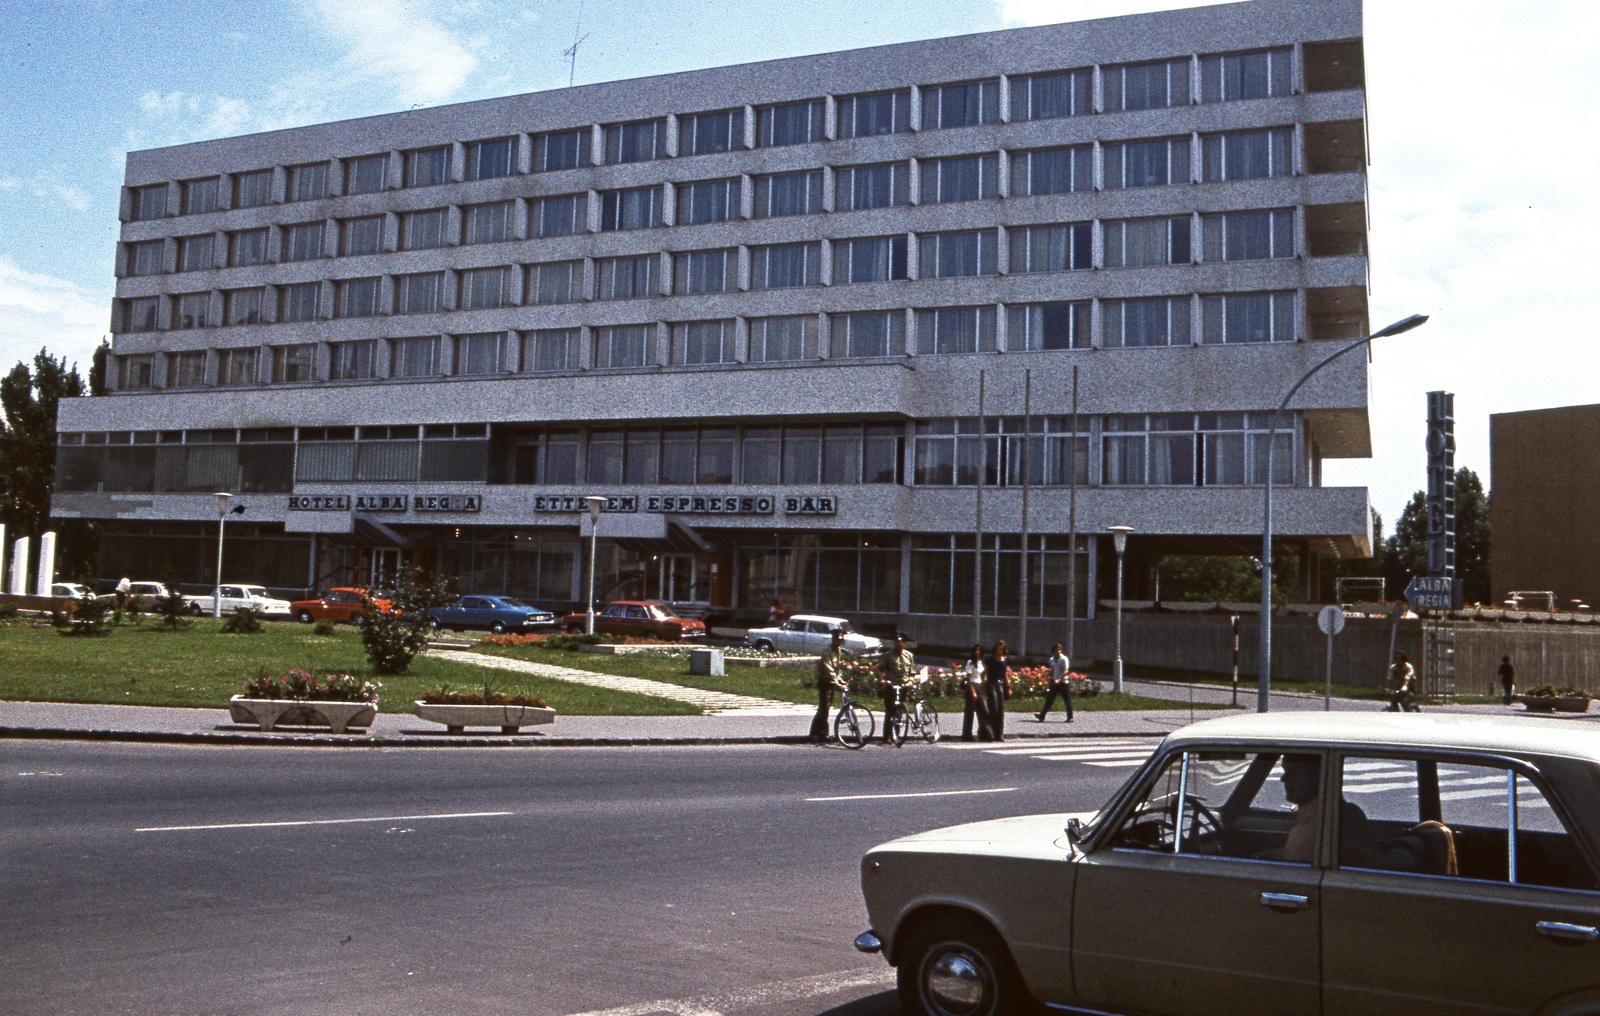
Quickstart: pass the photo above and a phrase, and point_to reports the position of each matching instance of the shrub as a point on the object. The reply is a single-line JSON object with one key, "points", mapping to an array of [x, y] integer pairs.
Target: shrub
{"points": [[323, 627], [1551, 691], [174, 612], [392, 638], [244, 621], [305, 685], [90, 617]]}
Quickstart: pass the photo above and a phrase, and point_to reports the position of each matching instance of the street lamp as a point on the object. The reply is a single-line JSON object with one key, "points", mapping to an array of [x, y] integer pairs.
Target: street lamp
{"points": [[222, 523], [1264, 685], [594, 502], [1119, 539]]}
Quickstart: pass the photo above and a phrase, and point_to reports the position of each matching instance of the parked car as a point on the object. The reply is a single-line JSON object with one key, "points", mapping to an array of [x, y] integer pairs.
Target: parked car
{"points": [[648, 619], [152, 593], [811, 634], [233, 597], [1286, 863], [73, 590], [499, 614], [341, 603]]}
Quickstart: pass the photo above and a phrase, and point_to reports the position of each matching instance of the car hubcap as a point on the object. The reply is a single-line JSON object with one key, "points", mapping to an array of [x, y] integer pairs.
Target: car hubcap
{"points": [[958, 983]]}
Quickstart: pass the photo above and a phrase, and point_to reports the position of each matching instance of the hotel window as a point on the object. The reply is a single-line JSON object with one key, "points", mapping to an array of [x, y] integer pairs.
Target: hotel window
{"points": [[422, 230], [964, 105], [1157, 450], [237, 366], [708, 201], [625, 346], [192, 310], [639, 208], [1040, 326], [480, 354], [139, 313], [186, 369], [199, 196], [605, 456], [366, 175], [417, 357], [701, 342], [244, 306], [788, 194], [1146, 85], [868, 333], [302, 242], [1246, 75], [146, 258], [555, 282], [707, 133], [1247, 236], [967, 178], [1247, 317], [308, 182], [1151, 321], [636, 142], [859, 187], [1147, 163], [783, 338], [872, 259], [136, 371], [717, 447], [149, 202], [247, 247], [1052, 171], [956, 330], [786, 266], [299, 302], [951, 452], [418, 294], [490, 160], [1147, 243], [252, 190], [362, 236], [483, 288], [627, 278], [550, 349], [865, 116], [1067, 247], [1248, 155], [1233, 450], [194, 253], [486, 223], [1049, 96], [352, 361], [559, 216], [705, 271], [958, 255], [561, 150], [802, 455], [790, 123], [761, 448], [358, 298], [294, 364], [428, 167]]}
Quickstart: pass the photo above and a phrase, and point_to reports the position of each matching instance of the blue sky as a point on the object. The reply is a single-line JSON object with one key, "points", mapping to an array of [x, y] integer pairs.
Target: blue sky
{"points": [[1482, 204]]}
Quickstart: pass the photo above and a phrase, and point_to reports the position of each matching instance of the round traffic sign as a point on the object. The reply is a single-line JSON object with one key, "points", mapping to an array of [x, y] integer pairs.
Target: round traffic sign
{"points": [[1331, 620]]}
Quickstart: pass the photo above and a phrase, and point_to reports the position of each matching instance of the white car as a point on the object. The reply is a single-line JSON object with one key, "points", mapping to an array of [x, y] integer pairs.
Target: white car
{"points": [[234, 597], [71, 589], [151, 592], [810, 634]]}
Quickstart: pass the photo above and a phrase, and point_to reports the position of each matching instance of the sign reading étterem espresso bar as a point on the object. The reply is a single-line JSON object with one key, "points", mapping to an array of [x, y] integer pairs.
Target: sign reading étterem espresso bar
{"points": [[696, 504]]}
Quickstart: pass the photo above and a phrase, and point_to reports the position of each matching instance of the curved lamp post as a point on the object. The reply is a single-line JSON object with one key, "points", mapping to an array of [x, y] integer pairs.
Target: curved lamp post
{"points": [[593, 503], [222, 524], [1119, 539], [1264, 685]]}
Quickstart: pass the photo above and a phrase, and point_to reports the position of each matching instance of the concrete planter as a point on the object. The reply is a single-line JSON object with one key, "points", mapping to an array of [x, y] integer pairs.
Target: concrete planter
{"points": [[268, 713], [1546, 704], [456, 718]]}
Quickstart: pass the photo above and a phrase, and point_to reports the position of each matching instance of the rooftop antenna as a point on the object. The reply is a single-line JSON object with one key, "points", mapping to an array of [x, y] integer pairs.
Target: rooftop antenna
{"points": [[571, 52]]}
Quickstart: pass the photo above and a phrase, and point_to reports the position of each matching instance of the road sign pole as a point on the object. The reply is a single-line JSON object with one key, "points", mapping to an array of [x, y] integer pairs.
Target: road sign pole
{"points": [[1327, 691], [1331, 621]]}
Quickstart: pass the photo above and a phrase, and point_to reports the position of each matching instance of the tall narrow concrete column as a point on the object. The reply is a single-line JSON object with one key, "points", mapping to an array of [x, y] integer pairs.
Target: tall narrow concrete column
{"points": [[47, 564], [19, 568]]}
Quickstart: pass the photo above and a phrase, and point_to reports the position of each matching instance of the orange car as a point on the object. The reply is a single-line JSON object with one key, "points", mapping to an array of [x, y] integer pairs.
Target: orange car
{"points": [[344, 603], [649, 619]]}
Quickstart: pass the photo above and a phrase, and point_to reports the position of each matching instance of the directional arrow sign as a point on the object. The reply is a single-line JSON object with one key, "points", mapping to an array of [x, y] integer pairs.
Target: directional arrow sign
{"points": [[1431, 592]]}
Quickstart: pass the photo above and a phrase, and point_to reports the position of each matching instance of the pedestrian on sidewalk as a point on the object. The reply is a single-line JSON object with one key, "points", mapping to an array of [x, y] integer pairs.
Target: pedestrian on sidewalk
{"points": [[1508, 678], [1058, 684], [972, 694], [124, 588], [830, 677], [997, 688], [898, 669], [1401, 696]]}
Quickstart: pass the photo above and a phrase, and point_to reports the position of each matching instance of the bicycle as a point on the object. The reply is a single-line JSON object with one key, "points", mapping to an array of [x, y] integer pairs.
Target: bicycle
{"points": [[919, 717], [853, 726]]}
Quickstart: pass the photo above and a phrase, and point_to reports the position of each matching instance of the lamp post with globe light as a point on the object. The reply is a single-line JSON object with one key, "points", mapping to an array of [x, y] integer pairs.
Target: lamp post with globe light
{"points": [[1119, 539], [593, 503], [222, 524]]}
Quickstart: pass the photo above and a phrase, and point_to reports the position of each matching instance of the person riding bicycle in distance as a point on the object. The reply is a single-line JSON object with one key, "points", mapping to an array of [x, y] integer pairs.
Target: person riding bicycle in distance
{"points": [[897, 669], [830, 678]]}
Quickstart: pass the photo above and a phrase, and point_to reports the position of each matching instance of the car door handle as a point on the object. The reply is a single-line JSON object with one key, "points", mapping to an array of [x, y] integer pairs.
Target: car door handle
{"points": [[1285, 901], [1567, 932]]}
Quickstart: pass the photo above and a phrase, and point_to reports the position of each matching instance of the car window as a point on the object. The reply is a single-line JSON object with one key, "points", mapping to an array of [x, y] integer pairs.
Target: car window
{"points": [[256, 591], [512, 601], [341, 597], [662, 610], [232, 591], [613, 610], [637, 612], [792, 625], [471, 603], [1247, 805], [844, 626]]}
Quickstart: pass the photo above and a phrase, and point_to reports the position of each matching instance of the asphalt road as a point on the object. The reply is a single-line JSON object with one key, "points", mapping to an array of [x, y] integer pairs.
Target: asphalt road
{"points": [[626, 881]]}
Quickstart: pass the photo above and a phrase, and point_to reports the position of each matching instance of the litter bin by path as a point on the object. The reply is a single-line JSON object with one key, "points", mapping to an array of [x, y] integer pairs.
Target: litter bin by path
{"points": [[706, 661]]}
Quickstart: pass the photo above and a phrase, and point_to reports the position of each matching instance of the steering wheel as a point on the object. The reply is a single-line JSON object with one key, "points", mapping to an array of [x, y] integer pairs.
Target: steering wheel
{"points": [[1206, 832]]}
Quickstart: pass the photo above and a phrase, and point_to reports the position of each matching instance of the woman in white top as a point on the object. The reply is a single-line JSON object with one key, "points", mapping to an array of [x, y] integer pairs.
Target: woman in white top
{"points": [[972, 692]]}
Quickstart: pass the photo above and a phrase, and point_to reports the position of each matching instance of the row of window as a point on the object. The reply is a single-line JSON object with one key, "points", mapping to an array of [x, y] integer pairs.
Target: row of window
{"points": [[1149, 85], [1147, 163]]}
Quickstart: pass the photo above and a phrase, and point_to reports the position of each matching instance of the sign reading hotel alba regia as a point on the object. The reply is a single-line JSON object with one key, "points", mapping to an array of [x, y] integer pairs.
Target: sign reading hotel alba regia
{"points": [[384, 502]]}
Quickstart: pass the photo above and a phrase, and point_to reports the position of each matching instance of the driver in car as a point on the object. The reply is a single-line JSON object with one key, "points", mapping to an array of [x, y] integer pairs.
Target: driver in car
{"points": [[1301, 782]]}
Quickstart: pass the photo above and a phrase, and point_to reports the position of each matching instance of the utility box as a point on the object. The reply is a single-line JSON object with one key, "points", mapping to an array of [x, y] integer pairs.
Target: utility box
{"points": [[706, 661]]}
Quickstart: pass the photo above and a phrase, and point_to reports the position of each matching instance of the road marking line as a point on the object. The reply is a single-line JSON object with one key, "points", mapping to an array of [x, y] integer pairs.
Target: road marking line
{"points": [[925, 793], [320, 821], [1116, 765], [1084, 756], [1060, 743]]}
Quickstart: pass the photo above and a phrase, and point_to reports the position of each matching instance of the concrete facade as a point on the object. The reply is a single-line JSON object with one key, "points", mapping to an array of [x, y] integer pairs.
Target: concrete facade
{"points": [[1544, 470]]}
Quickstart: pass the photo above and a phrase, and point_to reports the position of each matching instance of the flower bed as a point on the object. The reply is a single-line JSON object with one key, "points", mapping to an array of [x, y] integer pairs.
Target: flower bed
{"points": [[300, 697], [947, 682], [1547, 698], [458, 710]]}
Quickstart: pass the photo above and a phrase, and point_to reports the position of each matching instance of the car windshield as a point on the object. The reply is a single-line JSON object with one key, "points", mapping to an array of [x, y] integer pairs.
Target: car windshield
{"points": [[662, 610], [512, 601], [844, 626], [257, 591]]}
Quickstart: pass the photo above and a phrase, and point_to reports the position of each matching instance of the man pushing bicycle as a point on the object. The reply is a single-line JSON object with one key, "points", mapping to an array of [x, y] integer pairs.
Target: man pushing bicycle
{"points": [[897, 669]]}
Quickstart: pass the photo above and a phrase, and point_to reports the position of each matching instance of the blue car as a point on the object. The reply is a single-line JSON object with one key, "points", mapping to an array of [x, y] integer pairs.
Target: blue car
{"points": [[499, 614]]}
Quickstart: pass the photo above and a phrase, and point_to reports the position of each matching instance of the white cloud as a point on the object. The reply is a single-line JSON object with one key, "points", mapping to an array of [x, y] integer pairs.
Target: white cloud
{"points": [[43, 311], [400, 45], [48, 185]]}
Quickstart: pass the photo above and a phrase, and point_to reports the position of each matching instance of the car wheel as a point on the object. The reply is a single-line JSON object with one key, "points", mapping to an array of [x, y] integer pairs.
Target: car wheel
{"points": [[305, 617], [958, 967], [433, 623], [763, 644], [574, 629], [498, 628], [194, 608], [652, 636]]}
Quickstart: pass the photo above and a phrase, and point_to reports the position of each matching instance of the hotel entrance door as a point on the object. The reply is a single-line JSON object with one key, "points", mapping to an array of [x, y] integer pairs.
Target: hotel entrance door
{"points": [[680, 578]]}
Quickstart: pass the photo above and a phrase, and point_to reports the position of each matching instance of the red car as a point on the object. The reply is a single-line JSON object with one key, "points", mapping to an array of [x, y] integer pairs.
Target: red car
{"points": [[343, 603], [650, 619]]}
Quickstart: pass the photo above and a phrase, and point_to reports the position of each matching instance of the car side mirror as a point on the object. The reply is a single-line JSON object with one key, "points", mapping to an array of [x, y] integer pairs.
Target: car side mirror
{"points": [[1074, 832]]}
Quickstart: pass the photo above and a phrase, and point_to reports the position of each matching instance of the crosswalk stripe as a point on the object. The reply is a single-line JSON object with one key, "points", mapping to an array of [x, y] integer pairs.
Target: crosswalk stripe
{"points": [[1053, 743], [1116, 765], [1137, 756]]}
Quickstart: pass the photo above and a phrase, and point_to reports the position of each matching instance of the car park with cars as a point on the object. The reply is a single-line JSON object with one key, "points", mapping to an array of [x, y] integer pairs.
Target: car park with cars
{"points": [[1344, 864], [498, 614], [811, 634], [646, 619], [339, 604], [234, 597]]}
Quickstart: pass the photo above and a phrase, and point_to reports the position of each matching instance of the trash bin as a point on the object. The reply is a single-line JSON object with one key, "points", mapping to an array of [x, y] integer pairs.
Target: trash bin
{"points": [[706, 661]]}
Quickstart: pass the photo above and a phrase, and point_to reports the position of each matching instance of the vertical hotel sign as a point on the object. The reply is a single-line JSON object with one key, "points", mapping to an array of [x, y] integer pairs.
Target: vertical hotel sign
{"points": [[1442, 485]]}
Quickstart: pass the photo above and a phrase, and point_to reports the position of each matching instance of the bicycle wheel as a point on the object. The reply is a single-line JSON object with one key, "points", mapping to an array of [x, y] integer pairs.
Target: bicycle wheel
{"points": [[849, 729], [899, 727], [930, 722]]}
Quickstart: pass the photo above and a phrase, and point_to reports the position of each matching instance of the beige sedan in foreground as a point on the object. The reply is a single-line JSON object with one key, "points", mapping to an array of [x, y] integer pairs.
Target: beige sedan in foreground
{"points": [[1300, 863]]}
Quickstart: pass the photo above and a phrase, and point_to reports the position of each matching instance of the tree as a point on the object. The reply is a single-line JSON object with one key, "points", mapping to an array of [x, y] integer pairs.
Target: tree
{"points": [[1220, 579], [28, 439], [1407, 549], [97, 368]]}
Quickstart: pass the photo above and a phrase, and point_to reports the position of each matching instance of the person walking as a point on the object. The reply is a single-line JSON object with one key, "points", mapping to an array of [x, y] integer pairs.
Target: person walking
{"points": [[897, 668], [997, 688], [830, 677], [972, 692], [124, 589], [1058, 684], [1508, 678], [1401, 696]]}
